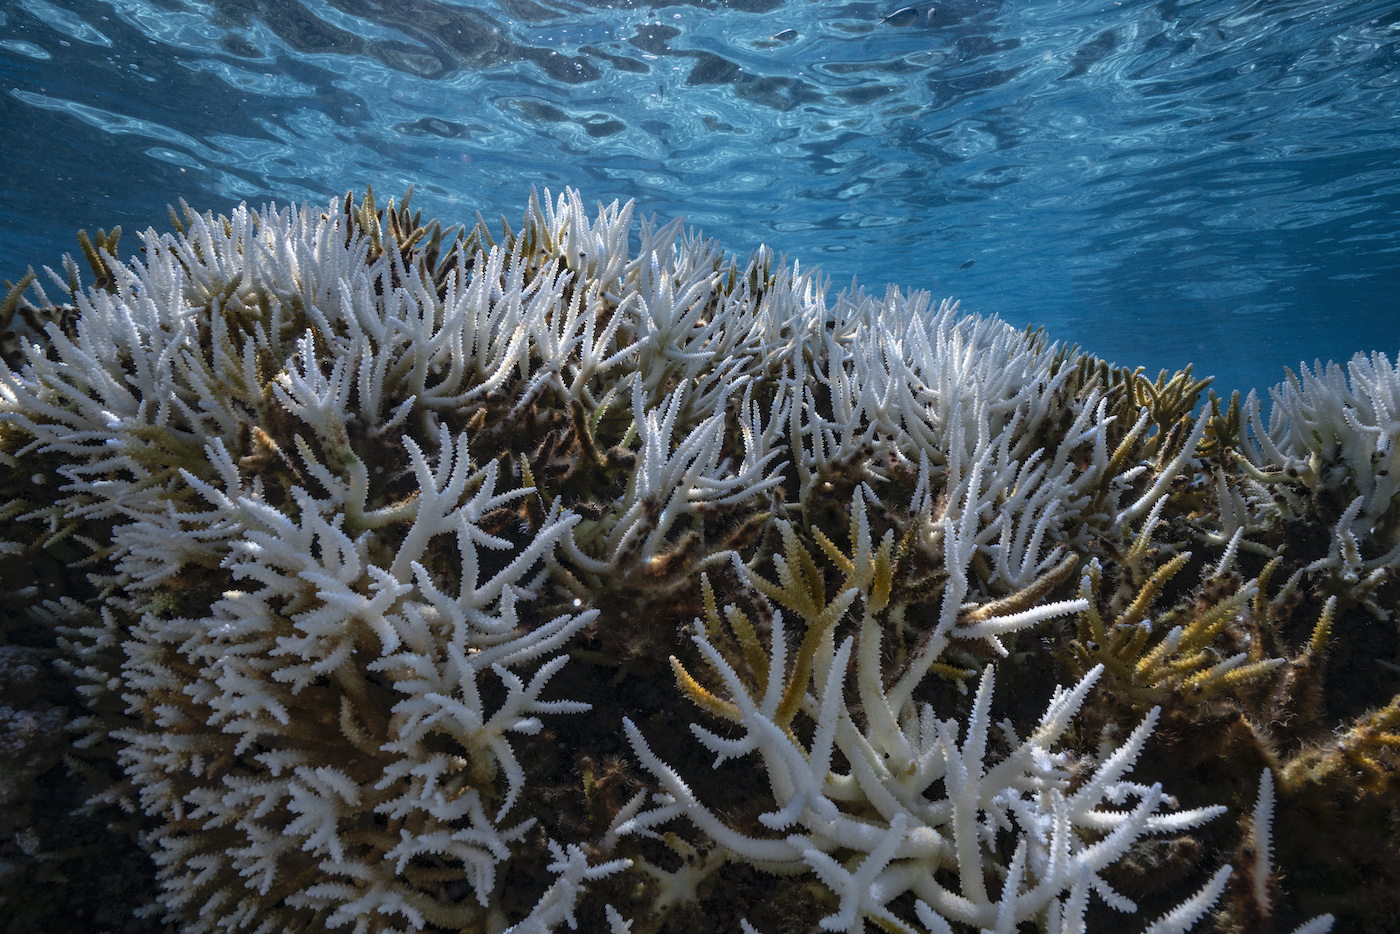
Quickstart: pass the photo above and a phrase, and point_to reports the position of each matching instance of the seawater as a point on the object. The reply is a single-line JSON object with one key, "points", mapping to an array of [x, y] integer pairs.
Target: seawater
{"points": [[1212, 182]]}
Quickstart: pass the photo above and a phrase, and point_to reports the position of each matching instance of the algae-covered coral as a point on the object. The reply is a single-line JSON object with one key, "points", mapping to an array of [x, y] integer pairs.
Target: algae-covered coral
{"points": [[411, 578]]}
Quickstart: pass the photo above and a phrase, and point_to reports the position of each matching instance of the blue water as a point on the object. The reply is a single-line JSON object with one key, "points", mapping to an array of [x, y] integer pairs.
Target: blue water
{"points": [[1161, 182]]}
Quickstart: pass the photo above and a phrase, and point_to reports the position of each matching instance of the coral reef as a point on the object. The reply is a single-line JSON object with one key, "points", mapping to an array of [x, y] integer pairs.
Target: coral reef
{"points": [[420, 579]]}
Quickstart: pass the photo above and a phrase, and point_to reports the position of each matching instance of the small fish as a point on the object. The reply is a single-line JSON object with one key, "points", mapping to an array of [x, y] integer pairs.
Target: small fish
{"points": [[787, 35], [901, 17]]}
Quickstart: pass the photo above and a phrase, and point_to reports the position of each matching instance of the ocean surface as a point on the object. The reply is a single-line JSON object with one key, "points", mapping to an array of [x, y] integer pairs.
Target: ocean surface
{"points": [[1214, 182]]}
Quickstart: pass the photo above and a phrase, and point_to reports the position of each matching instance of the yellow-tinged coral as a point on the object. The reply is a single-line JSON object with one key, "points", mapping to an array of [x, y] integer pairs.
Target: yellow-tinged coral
{"points": [[1178, 652], [1364, 759]]}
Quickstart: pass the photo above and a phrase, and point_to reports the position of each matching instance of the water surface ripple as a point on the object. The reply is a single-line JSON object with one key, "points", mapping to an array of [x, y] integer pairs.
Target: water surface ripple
{"points": [[1161, 182]]}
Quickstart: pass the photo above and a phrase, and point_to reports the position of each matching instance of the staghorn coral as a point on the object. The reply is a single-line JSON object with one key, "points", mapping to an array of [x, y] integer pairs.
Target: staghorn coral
{"points": [[388, 562], [1325, 466]]}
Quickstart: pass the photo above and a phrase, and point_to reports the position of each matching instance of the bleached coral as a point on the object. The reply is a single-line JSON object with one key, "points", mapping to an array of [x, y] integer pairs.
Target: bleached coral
{"points": [[306, 728], [1331, 439], [916, 803], [359, 497]]}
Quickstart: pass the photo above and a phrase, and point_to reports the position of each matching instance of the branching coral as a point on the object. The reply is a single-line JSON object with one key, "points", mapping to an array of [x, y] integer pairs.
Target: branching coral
{"points": [[1328, 459], [915, 803], [375, 539]]}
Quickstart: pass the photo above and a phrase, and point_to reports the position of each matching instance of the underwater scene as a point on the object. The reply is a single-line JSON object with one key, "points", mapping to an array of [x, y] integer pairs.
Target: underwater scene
{"points": [[742, 467]]}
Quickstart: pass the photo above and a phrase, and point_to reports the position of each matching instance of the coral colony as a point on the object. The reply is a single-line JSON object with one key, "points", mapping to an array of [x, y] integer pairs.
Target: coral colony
{"points": [[413, 579]]}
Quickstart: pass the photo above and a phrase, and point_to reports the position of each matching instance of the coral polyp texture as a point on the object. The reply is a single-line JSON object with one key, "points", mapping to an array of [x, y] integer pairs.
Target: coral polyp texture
{"points": [[403, 578]]}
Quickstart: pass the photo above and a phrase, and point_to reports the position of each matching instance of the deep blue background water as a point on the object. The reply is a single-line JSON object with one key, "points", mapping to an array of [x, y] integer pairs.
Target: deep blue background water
{"points": [[1161, 182]]}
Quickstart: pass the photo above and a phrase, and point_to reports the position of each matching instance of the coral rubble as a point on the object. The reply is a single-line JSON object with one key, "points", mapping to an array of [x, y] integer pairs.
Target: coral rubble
{"points": [[422, 579]]}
